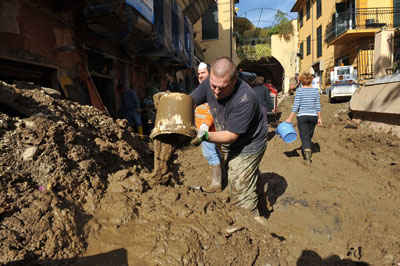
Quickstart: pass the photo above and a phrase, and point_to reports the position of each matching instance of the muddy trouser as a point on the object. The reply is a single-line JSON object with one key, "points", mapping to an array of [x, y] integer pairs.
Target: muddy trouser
{"points": [[306, 125], [243, 173]]}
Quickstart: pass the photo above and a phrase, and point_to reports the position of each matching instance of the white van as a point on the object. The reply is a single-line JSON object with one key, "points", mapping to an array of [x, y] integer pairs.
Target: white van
{"points": [[344, 83]]}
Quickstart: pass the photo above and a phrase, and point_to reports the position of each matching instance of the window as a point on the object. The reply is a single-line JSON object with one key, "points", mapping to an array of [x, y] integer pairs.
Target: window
{"points": [[319, 41], [319, 8], [301, 50], [301, 18], [396, 5], [308, 6], [308, 45], [209, 23]]}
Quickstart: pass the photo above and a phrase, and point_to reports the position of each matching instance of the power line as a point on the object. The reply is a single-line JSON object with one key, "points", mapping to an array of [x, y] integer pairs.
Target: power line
{"points": [[260, 16], [265, 8]]}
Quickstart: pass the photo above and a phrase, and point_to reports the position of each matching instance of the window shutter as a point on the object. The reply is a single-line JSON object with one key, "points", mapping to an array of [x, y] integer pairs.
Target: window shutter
{"points": [[209, 23], [396, 5], [319, 41]]}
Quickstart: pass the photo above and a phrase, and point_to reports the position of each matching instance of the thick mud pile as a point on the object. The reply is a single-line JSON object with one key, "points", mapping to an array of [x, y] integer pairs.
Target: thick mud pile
{"points": [[79, 188], [56, 161], [74, 181]]}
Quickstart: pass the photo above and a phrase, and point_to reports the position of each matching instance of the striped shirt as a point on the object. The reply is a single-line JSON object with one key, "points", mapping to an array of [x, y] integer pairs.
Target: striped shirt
{"points": [[306, 102]]}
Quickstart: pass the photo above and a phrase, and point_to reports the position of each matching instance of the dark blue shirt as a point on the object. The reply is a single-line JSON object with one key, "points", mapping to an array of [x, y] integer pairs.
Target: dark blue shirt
{"points": [[240, 114], [264, 98], [130, 100]]}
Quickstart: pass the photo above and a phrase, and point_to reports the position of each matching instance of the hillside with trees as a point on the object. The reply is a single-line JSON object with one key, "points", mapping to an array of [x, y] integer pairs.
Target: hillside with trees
{"points": [[254, 42]]}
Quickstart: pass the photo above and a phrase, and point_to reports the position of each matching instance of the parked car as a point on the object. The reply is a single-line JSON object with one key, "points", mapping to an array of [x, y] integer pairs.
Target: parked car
{"points": [[344, 83]]}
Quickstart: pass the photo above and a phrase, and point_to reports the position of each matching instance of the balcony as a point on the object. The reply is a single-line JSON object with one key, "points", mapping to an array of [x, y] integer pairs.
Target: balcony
{"points": [[361, 22]]}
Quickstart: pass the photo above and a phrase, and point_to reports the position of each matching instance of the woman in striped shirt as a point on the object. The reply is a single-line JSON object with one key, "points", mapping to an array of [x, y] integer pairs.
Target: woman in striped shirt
{"points": [[308, 108]]}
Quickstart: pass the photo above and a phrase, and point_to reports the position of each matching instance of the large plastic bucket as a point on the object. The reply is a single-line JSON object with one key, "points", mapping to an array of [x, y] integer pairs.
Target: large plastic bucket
{"points": [[174, 115], [287, 132]]}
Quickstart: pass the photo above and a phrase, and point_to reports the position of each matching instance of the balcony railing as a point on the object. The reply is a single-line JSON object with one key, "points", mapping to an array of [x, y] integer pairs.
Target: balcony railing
{"points": [[362, 18]]}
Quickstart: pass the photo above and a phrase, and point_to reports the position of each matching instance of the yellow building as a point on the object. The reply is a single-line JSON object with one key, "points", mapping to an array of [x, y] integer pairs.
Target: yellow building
{"points": [[342, 32], [214, 31], [285, 51]]}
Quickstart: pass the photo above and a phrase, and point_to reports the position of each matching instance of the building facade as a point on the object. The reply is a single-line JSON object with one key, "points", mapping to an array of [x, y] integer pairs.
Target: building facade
{"points": [[90, 49], [214, 31], [342, 32]]}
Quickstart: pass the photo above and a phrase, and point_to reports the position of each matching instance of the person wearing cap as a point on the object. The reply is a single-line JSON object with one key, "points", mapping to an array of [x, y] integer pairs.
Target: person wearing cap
{"points": [[205, 121], [202, 72]]}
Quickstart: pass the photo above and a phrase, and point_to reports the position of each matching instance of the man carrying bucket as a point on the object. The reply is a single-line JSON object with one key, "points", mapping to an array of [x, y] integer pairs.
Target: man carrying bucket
{"points": [[204, 120], [241, 130]]}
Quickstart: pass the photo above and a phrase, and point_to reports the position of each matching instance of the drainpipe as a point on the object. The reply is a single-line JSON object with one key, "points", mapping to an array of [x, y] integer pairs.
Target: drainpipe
{"points": [[231, 28], [351, 16], [312, 35]]}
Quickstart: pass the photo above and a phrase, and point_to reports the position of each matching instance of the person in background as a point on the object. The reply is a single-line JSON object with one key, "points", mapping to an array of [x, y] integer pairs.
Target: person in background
{"points": [[205, 121], [240, 129], [131, 109], [271, 90], [172, 83], [263, 96], [316, 82], [294, 83], [307, 106], [202, 72]]}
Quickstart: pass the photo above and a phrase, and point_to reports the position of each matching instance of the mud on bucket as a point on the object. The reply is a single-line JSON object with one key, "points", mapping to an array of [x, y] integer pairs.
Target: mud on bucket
{"points": [[174, 118], [287, 132]]}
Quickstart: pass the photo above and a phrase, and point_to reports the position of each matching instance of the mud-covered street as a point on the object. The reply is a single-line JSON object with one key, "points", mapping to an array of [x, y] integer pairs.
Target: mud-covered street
{"points": [[75, 191]]}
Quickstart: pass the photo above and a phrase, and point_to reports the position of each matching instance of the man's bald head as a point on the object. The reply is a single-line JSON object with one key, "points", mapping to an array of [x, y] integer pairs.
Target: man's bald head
{"points": [[223, 67], [223, 78]]}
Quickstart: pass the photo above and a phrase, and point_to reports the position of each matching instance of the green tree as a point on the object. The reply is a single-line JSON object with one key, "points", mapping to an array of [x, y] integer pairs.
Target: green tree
{"points": [[242, 25], [283, 26], [255, 42]]}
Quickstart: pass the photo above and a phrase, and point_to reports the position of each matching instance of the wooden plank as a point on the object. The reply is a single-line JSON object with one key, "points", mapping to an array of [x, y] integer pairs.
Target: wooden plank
{"points": [[94, 95]]}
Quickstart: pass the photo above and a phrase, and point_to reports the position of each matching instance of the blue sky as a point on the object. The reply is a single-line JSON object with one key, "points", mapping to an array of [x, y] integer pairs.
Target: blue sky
{"points": [[252, 10]]}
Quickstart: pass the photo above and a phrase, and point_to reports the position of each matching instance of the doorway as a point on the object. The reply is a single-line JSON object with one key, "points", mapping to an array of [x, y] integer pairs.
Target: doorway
{"points": [[105, 88]]}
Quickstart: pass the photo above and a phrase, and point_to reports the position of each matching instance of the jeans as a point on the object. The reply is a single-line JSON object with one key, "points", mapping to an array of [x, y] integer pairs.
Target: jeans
{"points": [[134, 118], [210, 153], [306, 125]]}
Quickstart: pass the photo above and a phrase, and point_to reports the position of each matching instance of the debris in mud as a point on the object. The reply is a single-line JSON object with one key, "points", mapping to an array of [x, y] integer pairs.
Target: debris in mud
{"points": [[355, 252], [351, 125], [69, 173], [56, 157]]}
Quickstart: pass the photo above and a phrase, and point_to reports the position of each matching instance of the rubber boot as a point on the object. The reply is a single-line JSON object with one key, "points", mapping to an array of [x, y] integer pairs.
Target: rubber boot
{"points": [[216, 178], [307, 155]]}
